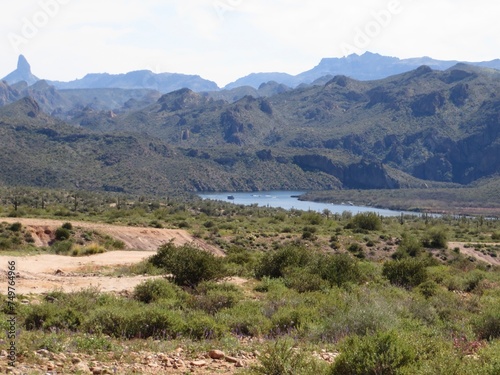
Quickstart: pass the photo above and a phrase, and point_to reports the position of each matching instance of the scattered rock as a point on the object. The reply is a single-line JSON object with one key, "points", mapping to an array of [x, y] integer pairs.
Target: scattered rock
{"points": [[81, 368], [216, 354], [232, 359], [199, 363]]}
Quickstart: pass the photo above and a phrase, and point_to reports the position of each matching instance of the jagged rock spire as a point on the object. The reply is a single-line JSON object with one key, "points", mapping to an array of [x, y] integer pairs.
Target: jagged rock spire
{"points": [[22, 73], [23, 66]]}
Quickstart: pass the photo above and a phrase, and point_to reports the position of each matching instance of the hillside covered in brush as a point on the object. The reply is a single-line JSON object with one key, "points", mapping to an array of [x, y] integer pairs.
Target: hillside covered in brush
{"points": [[422, 128]]}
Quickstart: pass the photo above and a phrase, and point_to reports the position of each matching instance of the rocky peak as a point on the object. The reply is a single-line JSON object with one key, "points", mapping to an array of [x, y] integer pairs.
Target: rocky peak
{"points": [[23, 66], [22, 73]]}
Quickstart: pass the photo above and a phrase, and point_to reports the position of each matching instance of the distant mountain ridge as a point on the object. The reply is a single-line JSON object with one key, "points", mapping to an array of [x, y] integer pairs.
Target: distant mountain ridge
{"points": [[141, 79], [365, 67]]}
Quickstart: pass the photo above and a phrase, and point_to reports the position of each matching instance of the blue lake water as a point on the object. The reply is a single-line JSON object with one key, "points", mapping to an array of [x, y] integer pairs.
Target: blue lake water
{"points": [[288, 200]]}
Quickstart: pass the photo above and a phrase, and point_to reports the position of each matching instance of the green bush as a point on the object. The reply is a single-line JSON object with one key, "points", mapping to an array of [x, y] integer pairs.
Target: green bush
{"points": [[62, 247], [409, 246], [487, 324], [361, 316], [339, 269], [187, 264], [289, 318], [436, 237], [246, 319], [274, 264], [16, 227], [304, 280], [5, 244], [153, 290], [200, 326], [212, 297], [281, 358], [381, 353], [67, 226], [369, 221], [406, 273], [133, 321], [48, 316], [62, 234]]}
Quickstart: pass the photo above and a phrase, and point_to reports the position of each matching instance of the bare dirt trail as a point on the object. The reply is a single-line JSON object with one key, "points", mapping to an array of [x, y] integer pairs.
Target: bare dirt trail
{"points": [[43, 273], [470, 251], [134, 238]]}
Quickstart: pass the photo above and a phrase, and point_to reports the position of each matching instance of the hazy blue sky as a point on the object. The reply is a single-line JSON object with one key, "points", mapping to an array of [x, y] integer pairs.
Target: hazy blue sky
{"points": [[222, 40]]}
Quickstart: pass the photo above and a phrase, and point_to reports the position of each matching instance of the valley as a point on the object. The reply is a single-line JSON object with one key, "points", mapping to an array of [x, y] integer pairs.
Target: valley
{"points": [[116, 265]]}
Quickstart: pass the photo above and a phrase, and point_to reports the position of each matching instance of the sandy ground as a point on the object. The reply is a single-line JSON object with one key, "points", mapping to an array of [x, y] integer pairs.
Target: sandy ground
{"points": [[43, 273]]}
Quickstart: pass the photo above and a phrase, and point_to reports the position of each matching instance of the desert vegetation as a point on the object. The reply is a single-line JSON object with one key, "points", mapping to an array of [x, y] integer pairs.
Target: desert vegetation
{"points": [[385, 295]]}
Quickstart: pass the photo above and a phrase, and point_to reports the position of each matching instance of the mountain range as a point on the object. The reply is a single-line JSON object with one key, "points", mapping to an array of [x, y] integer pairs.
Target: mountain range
{"points": [[369, 66], [420, 128]]}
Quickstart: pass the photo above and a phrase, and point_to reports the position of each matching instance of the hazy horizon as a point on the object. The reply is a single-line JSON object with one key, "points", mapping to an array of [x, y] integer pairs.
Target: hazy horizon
{"points": [[223, 40]]}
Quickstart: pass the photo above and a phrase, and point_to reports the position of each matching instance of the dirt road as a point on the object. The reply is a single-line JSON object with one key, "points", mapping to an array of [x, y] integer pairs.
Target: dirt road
{"points": [[42, 273], [470, 251], [134, 238]]}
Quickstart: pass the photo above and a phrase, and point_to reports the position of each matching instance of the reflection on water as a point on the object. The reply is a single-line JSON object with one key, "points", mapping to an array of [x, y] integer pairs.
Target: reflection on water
{"points": [[289, 200]]}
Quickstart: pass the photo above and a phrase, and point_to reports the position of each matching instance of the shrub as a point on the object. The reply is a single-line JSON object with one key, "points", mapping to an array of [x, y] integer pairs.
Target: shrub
{"points": [[48, 316], [212, 297], [339, 269], [409, 246], [406, 273], [274, 264], [382, 353], [67, 226], [153, 290], [133, 321], [5, 244], [304, 280], [16, 227], [436, 237], [487, 325], [281, 358], [188, 265], [357, 316], [366, 221], [200, 326], [62, 234], [62, 247], [428, 288], [245, 319], [287, 319]]}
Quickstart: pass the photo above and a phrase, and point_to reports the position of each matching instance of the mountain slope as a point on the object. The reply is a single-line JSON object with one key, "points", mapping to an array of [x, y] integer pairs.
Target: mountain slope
{"points": [[433, 125], [39, 150]]}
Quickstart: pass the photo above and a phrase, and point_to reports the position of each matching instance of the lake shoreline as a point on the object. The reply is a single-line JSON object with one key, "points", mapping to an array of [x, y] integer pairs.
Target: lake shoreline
{"points": [[294, 200]]}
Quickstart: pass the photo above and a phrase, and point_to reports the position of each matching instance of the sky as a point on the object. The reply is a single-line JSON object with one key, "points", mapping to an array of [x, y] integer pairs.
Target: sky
{"points": [[223, 40]]}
